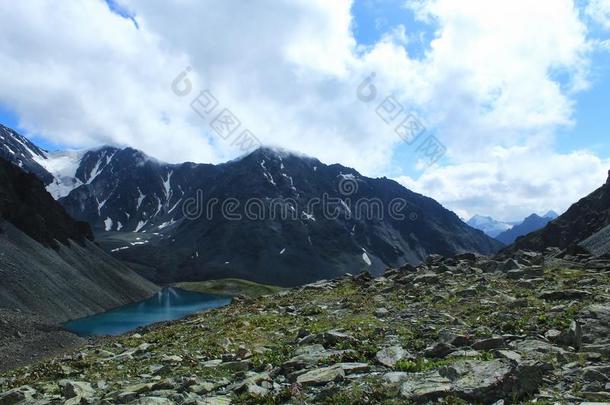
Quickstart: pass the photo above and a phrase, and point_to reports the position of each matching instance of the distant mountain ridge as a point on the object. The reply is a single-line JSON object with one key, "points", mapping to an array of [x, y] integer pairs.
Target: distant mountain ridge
{"points": [[490, 226], [122, 191], [529, 224], [584, 223]]}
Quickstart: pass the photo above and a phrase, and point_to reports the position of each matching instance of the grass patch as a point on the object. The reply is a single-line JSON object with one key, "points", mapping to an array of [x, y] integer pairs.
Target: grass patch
{"points": [[231, 287]]}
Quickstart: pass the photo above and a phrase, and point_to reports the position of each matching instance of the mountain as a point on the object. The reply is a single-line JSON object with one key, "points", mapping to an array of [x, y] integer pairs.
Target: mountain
{"points": [[584, 222], [48, 263], [137, 206], [490, 226], [529, 224], [290, 242], [17, 149], [56, 170], [551, 215]]}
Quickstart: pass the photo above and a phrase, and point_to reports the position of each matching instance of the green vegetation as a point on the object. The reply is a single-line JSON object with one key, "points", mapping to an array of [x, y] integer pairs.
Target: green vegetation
{"points": [[231, 287]]}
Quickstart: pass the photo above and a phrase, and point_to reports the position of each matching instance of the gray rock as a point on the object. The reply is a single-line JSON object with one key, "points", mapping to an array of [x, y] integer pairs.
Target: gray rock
{"points": [[478, 381], [552, 334], [306, 356], [468, 292], [71, 389], [153, 401], [389, 356], [321, 376], [171, 359], [139, 388], [218, 400], [454, 339], [396, 377], [509, 265], [464, 353], [490, 266], [570, 294], [515, 274], [203, 388], [427, 278], [330, 338], [438, 350], [425, 386], [242, 365], [353, 368], [539, 350], [571, 337], [17, 395], [381, 312], [489, 344], [509, 355]]}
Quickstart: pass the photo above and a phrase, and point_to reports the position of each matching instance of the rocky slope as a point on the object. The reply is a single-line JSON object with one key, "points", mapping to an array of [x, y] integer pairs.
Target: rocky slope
{"points": [[464, 330], [26, 338], [598, 243], [48, 264]]}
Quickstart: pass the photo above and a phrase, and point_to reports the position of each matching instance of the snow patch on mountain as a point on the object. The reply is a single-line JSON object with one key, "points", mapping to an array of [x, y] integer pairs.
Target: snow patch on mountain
{"points": [[366, 259], [63, 167]]}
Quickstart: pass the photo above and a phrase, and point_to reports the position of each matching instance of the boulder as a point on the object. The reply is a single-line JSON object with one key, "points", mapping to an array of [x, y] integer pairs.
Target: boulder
{"points": [[454, 339], [70, 389], [389, 356], [473, 381], [438, 350], [489, 344], [571, 337], [329, 338], [308, 356], [509, 265], [427, 278], [17, 395], [321, 376], [570, 294]]}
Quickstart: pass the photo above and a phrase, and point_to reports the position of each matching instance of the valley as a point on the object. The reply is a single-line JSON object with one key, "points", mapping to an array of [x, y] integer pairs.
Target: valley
{"points": [[304, 202], [453, 329], [316, 305]]}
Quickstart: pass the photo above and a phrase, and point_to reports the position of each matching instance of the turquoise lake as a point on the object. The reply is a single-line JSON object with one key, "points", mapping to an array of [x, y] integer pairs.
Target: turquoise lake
{"points": [[167, 305]]}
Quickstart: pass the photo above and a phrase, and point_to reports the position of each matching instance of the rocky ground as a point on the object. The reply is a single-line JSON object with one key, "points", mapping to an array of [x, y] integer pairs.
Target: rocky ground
{"points": [[460, 330], [26, 338]]}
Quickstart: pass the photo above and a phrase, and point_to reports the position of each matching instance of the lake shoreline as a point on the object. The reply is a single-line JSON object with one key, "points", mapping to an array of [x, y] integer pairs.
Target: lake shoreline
{"points": [[30, 339]]}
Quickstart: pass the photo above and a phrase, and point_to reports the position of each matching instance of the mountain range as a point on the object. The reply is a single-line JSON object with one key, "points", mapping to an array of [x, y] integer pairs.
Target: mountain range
{"points": [[508, 232], [529, 224], [489, 225], [136, 206]]}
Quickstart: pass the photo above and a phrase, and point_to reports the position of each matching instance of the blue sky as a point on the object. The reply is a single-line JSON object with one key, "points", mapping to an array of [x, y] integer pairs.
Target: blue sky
{"points": [[591, 129], [501, 88]]}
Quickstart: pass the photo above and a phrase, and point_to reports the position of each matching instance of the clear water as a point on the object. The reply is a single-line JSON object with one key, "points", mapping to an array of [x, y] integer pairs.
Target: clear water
{"points": [[167, 305]]}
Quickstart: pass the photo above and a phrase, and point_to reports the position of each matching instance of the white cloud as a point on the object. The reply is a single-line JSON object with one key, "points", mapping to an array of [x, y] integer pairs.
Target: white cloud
{"points": [[514, 183], [599, 11], [289, 69]]}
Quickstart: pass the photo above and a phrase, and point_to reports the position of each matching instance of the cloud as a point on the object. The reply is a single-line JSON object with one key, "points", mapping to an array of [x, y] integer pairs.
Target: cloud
{"points": [[599, 11], [514, 182], [497, 74]]}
